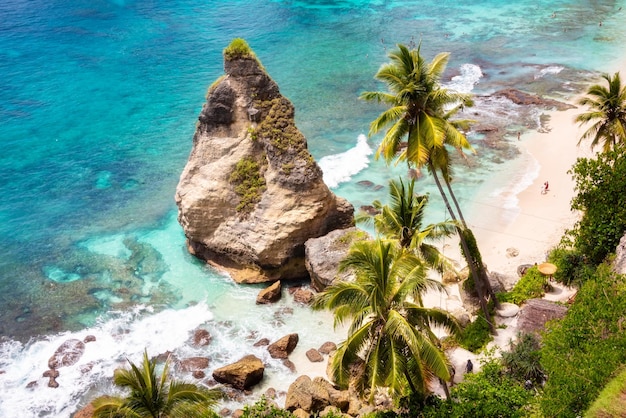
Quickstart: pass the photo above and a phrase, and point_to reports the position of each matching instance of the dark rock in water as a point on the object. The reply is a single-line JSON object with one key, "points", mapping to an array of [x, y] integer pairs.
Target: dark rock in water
{"points": [[53, 383], [89, 339], [328, 347], [32, 385], [289, 365], [365, 183], [194, 363], [242, 374], [270, 294], [67, 354], [198, 374], [270, 393], [303, 295], [526, 99], [51, 373], [201, 338], [247, 131], [284, 346], [262, 342]]}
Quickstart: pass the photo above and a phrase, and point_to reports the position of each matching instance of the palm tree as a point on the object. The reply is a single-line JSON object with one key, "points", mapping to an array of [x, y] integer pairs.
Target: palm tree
{"points": [[389, 334], [402, 220], [420, 110], [608, 113], [152, 397]]}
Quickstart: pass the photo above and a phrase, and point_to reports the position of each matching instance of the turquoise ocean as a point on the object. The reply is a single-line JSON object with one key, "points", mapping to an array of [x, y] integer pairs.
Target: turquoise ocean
{"points": [[98, 104]]}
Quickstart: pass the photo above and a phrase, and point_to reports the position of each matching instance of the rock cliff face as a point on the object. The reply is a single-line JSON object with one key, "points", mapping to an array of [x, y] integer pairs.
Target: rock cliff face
{"points": [[251, 194]]}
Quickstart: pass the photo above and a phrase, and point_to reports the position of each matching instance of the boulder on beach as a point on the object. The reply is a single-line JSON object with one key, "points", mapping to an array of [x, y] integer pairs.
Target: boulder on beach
{"points": [[251, 194], [284, 346], [242, 374], [536, 312]]}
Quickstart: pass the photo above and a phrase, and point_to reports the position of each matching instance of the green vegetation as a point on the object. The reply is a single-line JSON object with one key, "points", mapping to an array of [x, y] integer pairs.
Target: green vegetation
{"points": [[249, 183], [349, 238], [476, 335], [389, 335], [402, 220], [238, 48], [265, 409], [523, 361], [155, 397], [607, 114], [531, 285], [581, 353], [420, 112], [600, 184], [612, 399]]}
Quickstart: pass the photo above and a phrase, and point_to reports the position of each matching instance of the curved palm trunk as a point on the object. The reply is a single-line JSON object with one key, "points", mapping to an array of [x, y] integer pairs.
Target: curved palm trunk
{"points": [[471, 264], [483, 273]]}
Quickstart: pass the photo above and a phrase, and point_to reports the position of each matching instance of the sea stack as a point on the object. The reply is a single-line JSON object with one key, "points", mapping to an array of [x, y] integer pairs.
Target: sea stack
{"points": [[251, 194]]}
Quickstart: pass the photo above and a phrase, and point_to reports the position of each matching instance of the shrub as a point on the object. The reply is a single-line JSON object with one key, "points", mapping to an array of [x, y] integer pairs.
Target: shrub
{"points": [[249, 183], [600, 185], [572, 267], [238, 48], [475, 336], [264, 409], [581, 352], [531, 285], [523, 361]]}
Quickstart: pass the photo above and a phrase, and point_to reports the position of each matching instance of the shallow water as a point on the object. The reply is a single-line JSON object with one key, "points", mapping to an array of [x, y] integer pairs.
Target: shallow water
{"points": [[98, 106]]}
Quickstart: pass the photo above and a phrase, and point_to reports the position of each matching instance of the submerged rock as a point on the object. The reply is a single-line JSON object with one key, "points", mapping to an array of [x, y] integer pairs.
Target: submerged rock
{"points": [[251, 194]]}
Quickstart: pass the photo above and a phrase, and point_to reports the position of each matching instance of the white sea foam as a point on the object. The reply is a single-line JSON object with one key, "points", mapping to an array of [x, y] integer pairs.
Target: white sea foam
{"points": [[117, 339], [507, 196], [339, 168], [553, 69], [465, 82]]}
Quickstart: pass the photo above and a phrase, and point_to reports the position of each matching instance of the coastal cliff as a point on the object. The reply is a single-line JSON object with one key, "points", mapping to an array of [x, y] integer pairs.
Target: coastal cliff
{"points": [[251, 194]]}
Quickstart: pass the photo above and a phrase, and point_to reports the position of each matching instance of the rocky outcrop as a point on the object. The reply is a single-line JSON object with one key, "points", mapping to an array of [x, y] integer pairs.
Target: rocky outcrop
{"points": [[619, 264], [536, 312], [323, 255], [307, 395], [242, 374], [525, 99], [251, 194]]}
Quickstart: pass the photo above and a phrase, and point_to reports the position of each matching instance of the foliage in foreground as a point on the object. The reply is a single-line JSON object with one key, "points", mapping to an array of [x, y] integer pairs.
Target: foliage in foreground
{"points": [[476, 335], [390, 332], [488, 393], [581, 352], [151, 396]]}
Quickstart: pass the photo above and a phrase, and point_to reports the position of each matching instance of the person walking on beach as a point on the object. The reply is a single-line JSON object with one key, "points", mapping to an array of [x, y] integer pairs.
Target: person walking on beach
{"points": [[546, 188]]}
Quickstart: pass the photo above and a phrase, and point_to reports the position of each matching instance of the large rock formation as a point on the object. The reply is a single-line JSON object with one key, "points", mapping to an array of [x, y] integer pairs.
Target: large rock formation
{"points": [[251, 194]]}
